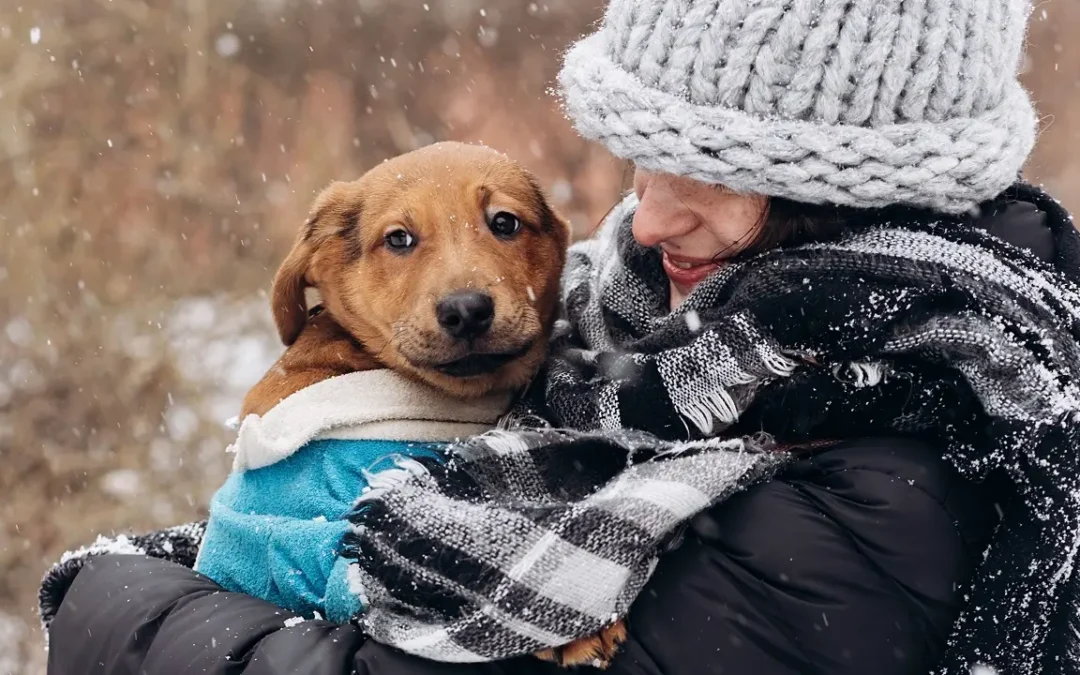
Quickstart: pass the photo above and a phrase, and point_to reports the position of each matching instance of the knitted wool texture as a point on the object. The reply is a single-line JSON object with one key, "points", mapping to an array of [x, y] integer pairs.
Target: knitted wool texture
{"points": [[862, 103]]}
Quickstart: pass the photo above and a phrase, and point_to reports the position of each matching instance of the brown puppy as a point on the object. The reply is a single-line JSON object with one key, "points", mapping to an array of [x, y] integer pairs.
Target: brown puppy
{"points": [[442, 264]]}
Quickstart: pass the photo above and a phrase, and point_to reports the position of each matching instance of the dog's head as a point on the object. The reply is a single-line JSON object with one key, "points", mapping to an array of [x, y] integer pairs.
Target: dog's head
{"points": [[443, 262]]}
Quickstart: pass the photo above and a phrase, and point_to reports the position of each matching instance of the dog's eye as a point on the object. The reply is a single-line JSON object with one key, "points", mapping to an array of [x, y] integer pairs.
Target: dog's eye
{"points": [[505, 224], [400, 240]]}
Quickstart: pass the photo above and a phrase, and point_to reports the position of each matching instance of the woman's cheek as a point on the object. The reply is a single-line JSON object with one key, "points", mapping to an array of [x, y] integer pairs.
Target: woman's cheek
{"points": [[739, 221]]}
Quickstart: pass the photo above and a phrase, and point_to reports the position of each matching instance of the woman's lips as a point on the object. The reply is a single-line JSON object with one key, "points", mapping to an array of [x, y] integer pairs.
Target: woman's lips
{"points": [[687, 272]]}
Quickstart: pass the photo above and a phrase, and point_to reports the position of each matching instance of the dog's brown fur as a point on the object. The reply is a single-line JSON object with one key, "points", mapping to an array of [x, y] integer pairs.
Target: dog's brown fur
{"points": [[321, 351], [380, 304], [597, 650]]}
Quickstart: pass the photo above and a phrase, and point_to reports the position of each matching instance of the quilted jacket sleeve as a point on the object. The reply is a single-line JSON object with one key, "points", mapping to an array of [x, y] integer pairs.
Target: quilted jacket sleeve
{"points": [[851, 562]]}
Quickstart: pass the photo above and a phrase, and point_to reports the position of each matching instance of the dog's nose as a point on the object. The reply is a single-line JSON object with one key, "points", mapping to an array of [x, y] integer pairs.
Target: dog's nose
{"points": [[466, 315]]}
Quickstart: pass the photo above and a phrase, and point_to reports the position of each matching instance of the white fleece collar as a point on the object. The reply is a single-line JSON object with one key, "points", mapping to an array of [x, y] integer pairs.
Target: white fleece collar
{"points": [[374, 404]]}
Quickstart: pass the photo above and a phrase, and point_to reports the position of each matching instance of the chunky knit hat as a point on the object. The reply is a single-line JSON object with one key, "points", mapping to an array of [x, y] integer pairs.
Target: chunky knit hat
{"points": [[863, 103]]}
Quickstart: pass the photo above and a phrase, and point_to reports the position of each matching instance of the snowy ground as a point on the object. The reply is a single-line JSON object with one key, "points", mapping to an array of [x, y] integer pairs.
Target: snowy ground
{"points": [[221, 345], [224, 346], [13, 633]]}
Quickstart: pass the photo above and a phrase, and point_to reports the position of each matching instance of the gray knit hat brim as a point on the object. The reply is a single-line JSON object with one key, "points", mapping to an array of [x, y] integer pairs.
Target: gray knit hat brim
{"points": [[949, 166]]}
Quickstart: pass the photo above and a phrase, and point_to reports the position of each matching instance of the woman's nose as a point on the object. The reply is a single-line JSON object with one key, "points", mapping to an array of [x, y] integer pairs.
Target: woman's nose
{"points": [[660, 217]]}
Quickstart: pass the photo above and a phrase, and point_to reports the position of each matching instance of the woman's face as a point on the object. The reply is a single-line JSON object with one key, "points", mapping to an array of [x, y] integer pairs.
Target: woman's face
{"points": [[697, 226]]}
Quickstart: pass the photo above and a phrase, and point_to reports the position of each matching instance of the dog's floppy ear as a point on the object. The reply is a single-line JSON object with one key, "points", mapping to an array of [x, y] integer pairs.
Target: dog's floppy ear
{"points": [[551, 219], [288, 299], [564, 228]]}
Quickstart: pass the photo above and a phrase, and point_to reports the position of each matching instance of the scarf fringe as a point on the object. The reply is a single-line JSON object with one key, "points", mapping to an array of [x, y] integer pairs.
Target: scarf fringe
{"points": [[717, 406], [778, 364], [406, 471]]}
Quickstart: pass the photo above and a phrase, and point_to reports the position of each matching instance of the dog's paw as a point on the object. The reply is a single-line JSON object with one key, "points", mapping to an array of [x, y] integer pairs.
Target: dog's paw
{"points": [[596, 650]]}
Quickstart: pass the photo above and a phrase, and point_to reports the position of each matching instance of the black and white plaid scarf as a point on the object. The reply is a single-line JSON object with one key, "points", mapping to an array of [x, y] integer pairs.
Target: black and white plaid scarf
{"points": [[533, 536]]}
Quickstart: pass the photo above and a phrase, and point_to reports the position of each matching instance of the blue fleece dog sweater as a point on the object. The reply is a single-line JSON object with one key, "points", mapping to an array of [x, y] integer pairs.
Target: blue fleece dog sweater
{"points": [[276, 526], [275, 532]]}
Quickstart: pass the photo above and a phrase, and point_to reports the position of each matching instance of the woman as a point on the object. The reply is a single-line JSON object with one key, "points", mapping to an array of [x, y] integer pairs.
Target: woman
{"points": [[825, 245]]}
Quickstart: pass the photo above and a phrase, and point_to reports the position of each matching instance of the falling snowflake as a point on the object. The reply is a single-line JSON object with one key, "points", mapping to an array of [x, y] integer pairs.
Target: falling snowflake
{"points": [[227, 44]]}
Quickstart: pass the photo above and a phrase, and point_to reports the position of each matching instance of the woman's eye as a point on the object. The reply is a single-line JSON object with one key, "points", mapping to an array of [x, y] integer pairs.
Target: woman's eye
{"points": [[504, 224], [400, 240]]}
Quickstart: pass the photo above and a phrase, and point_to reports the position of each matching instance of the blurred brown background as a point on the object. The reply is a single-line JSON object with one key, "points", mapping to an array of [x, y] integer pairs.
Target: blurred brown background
{"points": [[156, 159]]}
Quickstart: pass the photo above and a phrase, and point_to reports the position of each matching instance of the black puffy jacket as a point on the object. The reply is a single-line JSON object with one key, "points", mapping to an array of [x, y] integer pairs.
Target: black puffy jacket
{"points": [[850, 562]]}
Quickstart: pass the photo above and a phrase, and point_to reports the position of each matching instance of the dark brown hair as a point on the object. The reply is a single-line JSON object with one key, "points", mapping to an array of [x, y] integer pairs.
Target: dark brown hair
{"points": [[790, 223]]}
